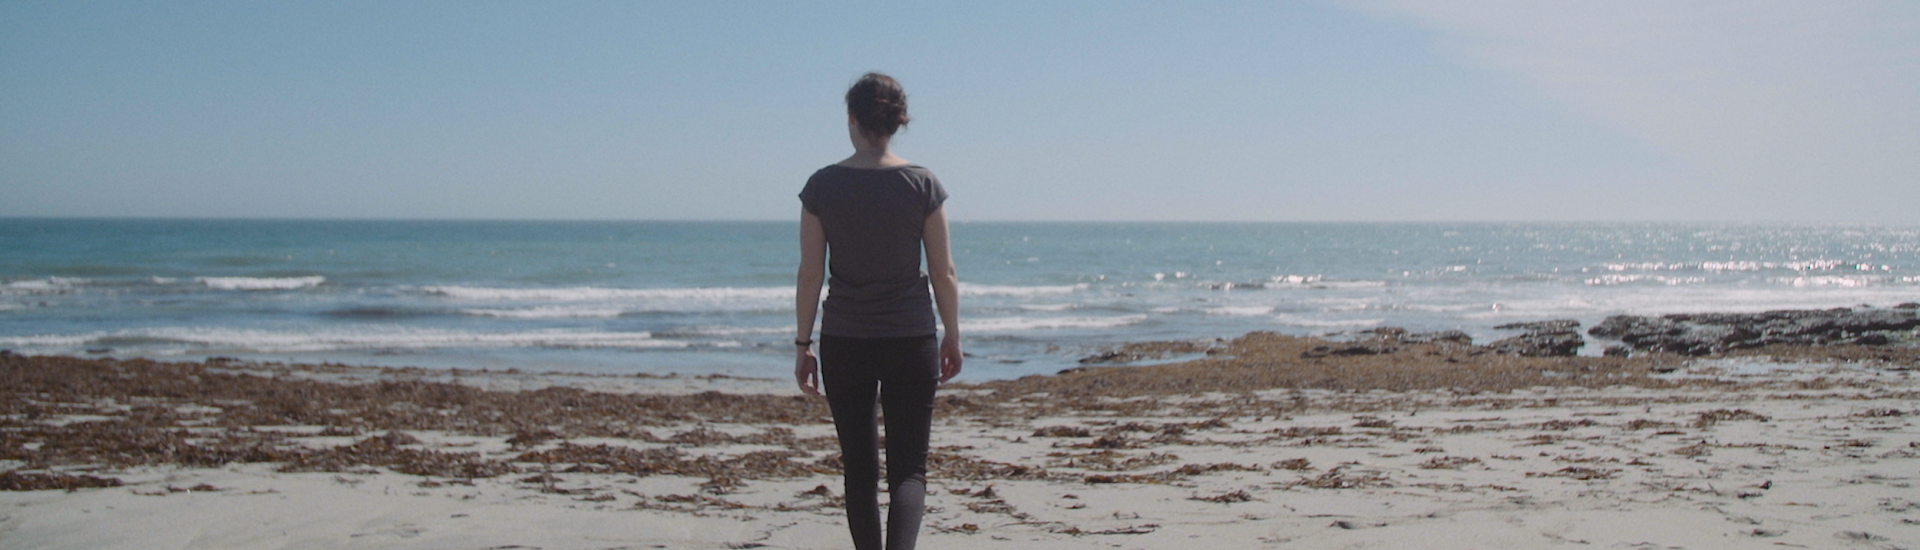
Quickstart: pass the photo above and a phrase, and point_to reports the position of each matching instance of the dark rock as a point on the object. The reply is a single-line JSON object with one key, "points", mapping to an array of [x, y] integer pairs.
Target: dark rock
{"points": [[1908, 305], [1557, 325], [1619, 325], [1876, 320], [1448, 336], [1351, 349], [1875, 339], [1386, 333], [1617, 350], [1540, 344], [1115, 356], [1709, 333]]}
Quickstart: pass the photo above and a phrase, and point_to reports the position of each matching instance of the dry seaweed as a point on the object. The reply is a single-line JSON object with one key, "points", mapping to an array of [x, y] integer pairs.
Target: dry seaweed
{"points": [[1229, 497], [1448, 462], [670, 461], [15, 480], [381, 451], [1109, 460], [1343, 478], [60, 412], [1717, 416], [1579, 473], [1063, 431]]}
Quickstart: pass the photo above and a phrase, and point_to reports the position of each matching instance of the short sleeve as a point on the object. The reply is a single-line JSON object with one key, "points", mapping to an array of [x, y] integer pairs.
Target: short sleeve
{"points": [[810, 196], [936, 194]]}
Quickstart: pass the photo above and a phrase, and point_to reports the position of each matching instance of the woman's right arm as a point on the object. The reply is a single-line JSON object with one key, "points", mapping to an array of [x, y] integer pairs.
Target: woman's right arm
{"points": [[806, 299], [946, 290]]}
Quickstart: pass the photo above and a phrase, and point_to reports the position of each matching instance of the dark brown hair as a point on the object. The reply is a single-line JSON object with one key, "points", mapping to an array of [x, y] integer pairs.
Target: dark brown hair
{"points": [[878, 103]]}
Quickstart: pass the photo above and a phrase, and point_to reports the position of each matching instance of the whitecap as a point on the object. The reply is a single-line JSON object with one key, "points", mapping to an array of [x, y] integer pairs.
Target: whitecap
{"points": [[368, 338], [50, 285], [1842, 281], [1616, 280], [1238, 311], [546, 312], [1016, 324], [1316, 281], [708, 331], [1317, 322], [588, 293], [261, 283], [969, 289]]}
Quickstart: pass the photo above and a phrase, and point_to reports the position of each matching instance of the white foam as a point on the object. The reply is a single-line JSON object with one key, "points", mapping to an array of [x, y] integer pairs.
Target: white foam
{"points": [[1349, 284], [1016, 324], [1594, 302], [1317, 322], [178, 339], [969, 289], [1613, 280], [1048, 307], [727, 331], [1729, 265], [261, 283], [1316, 281], [588, 293], [1238, 311], [1295, 279], [49, 340], [782, 295], [50, 285], [546, 312], [1845, 281]]}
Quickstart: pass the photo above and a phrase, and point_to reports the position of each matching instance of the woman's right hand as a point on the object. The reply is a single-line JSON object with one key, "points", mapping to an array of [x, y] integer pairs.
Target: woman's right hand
{"points": [[806, 370], [950, 357]]}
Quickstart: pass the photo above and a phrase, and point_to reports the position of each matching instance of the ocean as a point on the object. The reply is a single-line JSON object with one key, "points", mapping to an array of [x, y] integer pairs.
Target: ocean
{"points": [[717, 297]]}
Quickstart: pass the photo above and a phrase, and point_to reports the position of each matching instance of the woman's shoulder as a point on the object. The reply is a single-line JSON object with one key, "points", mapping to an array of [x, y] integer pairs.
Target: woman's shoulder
{"points": [[843, 170]]}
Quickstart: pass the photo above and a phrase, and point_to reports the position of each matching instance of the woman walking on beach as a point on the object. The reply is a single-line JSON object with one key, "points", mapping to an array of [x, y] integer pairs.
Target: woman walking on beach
{"points": [[876, 213]]}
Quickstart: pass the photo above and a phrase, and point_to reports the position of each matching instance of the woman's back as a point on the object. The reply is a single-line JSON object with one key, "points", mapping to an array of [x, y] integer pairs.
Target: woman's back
{"points": [[873, 220]]}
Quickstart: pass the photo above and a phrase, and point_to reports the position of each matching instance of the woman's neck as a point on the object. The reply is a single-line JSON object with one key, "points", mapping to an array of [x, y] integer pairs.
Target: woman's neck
{"points": [[873, 155]]}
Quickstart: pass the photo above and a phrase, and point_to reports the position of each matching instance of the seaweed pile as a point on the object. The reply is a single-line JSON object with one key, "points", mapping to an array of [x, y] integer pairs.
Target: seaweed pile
{"points": [[63, 419]]}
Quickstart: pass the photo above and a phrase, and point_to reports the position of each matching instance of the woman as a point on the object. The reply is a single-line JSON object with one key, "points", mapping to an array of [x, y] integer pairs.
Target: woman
{"points": [[877, 212]]}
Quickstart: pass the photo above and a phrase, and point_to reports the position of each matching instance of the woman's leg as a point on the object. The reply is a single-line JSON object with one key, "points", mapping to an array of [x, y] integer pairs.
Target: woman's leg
{"points": [[906, 394], [846, 367]]}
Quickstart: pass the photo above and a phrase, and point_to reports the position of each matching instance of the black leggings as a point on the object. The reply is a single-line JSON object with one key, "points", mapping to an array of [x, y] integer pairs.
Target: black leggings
{"points": [[902, 374]]}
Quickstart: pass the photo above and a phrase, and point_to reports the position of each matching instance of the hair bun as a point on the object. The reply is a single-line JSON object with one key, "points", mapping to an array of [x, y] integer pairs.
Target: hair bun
{"points": [[878, 104]]}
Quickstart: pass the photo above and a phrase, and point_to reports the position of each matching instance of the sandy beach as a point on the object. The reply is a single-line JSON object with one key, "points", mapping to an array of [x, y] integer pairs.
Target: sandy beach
{"points": [[1265, 441]]}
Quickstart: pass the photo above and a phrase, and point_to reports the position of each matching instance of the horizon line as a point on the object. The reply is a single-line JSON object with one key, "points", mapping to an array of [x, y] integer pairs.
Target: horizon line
{"points": [[952, 220]]}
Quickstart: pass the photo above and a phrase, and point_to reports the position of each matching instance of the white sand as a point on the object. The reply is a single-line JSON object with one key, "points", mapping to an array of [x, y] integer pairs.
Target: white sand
{"points": [[1548, 468]]}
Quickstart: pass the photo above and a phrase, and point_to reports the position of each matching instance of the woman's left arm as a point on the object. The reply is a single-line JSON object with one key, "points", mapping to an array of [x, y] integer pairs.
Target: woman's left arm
{"points": [[946, 290]]}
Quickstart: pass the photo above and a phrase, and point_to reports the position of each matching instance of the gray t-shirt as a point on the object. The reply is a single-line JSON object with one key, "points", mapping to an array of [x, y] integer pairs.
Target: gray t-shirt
{"points": [[873, 219]]}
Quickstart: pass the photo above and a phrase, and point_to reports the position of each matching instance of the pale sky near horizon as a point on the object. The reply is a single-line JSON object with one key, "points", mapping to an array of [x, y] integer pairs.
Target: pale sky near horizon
{"points": [[1364, 110]]}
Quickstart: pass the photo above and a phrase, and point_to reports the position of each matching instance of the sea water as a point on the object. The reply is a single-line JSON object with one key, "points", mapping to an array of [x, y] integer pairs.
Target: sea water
{"points": [[717, 297]]}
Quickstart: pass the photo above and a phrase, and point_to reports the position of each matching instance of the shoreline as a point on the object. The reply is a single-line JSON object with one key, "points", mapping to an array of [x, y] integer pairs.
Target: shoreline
{"points": [[1382, 440]]}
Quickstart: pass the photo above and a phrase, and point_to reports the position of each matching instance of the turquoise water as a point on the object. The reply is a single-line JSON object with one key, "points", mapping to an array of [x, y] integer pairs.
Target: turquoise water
{"points": [[716, 297]]}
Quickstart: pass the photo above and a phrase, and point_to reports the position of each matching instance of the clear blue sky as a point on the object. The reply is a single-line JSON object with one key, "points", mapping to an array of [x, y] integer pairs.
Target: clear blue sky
{"points": [[1287, 111]]}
